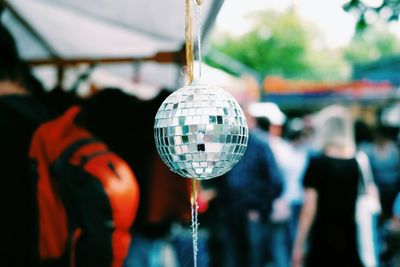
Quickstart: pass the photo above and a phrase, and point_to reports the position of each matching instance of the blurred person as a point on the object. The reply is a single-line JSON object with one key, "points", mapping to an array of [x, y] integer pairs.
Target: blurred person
{"points": [[395, 224], [396, 211], [21, 111], [392, 231], [87, 195], [327, 220], [362, 133], [271, 119], [125, 124], [384, 157], [292, 157], [294, 173], [243, 205], [385, 160]]}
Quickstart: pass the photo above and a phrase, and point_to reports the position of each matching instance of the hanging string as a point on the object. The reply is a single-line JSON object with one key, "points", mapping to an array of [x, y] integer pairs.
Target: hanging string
{"points": [[199, 32], [190, 71], [195, 221], [195, 190], [189, 40]]}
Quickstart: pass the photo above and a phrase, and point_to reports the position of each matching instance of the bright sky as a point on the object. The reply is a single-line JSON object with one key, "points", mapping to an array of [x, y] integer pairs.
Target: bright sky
{"points": [[328, 15]]}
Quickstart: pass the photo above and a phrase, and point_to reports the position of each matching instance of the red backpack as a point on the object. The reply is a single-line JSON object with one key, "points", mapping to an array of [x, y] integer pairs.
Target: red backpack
{"points": [[87, 197]]}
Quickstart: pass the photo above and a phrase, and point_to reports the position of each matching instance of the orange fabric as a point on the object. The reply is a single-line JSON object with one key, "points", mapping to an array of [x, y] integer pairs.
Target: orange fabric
{"points": [[48, 143], [278, 85], [123, 192], [119, 183], [53, 229]]}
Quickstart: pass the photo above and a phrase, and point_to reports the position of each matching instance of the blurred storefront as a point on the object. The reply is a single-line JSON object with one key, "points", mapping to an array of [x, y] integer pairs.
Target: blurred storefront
{"points": [[363, 97]]}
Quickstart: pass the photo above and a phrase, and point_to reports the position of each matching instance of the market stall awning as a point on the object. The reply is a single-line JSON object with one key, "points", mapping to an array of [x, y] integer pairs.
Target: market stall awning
{"points": [[74, 31], [292, 93]]}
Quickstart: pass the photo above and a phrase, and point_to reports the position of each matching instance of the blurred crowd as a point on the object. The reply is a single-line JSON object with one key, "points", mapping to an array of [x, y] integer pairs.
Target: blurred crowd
{"points": [[83, 185]]}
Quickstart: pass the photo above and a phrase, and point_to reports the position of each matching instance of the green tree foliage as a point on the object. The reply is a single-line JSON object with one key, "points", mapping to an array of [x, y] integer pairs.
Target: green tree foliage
{"points": [[371, 44], [283, 44], [286, 45], [388, 10]]}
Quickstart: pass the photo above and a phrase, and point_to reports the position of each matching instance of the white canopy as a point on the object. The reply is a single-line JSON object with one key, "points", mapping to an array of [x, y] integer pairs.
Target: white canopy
{"points": [[91, 30]]}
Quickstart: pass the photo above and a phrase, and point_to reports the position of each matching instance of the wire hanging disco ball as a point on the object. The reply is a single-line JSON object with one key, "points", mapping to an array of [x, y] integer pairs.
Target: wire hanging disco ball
{"points": [[200, 131]]}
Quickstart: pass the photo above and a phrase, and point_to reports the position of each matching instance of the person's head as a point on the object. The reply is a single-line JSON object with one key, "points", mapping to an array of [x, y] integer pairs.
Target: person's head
{"points": [[294, 130], [10, 65], [12, 69], [269, 116], [334, 129], [363, 132], [263, 123]]}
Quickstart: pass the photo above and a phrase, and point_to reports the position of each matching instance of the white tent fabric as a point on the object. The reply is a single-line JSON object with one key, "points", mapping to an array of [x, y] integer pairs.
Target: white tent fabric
{"points": [[159, 18], [70, 29]]}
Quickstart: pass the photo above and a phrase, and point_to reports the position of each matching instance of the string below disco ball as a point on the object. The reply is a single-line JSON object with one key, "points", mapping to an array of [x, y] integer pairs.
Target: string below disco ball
{"points": [[200, 130]]}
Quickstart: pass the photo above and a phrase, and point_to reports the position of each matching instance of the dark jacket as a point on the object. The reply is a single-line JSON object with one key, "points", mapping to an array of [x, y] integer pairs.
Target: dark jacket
{"points": [[254, 182], [19, 117]]}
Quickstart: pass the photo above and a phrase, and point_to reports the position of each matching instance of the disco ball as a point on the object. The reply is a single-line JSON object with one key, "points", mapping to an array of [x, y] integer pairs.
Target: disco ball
{"points": [[200, 131]]}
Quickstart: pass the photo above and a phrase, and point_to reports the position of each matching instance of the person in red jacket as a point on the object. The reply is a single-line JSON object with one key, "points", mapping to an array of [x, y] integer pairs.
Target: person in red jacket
{"points": [[87, 196]]}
